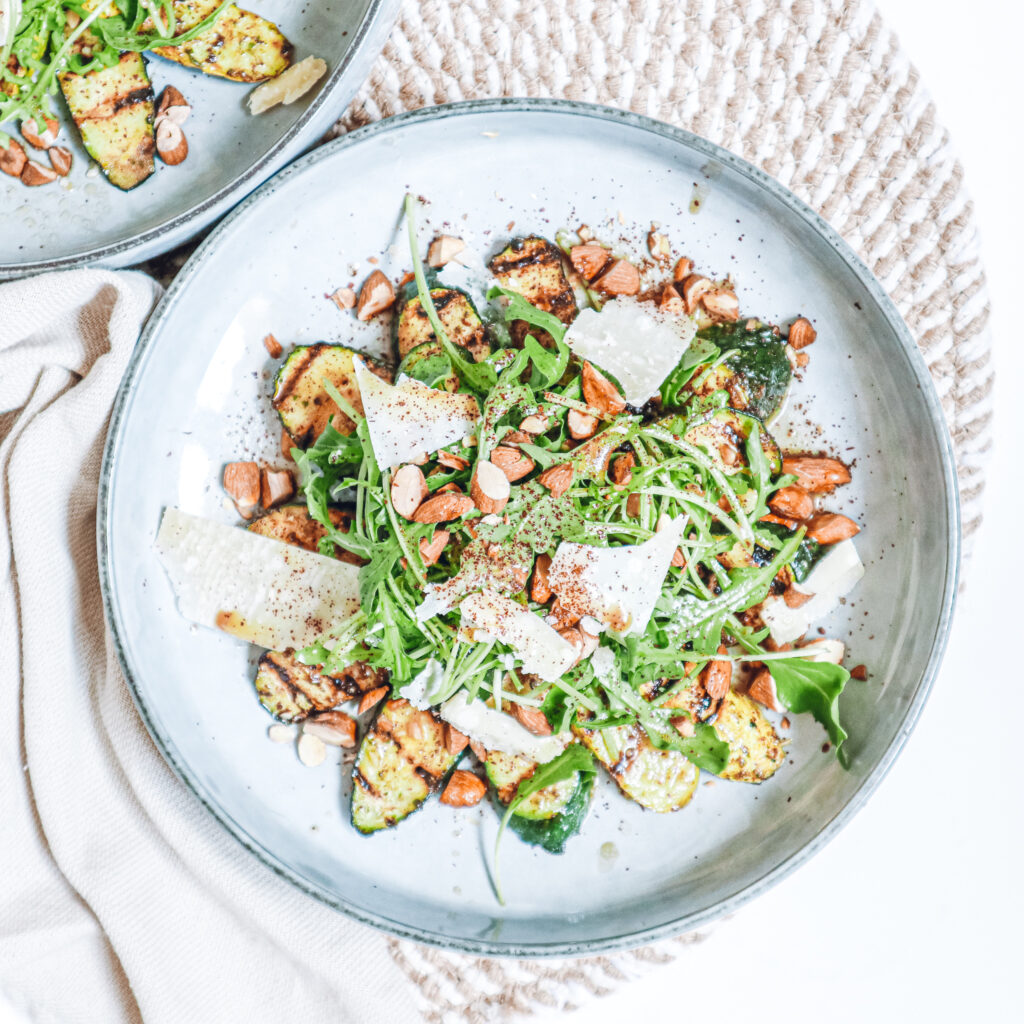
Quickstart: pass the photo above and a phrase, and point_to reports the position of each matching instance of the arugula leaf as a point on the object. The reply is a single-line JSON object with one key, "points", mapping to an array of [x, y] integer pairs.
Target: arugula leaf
{"points": [[705, 748], [574, 759], [700, 351], [812, 686], [520, 308]]}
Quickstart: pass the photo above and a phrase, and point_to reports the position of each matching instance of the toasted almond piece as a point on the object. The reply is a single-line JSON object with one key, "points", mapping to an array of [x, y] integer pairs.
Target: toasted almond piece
{"points": [[795, 598], [722, 304], [562, 616], [600, 393], [633, 506], [334, 728], [671, 301], [859, 672], [514, 437], [241, 481], [831, 527], [443, 507], [37, 174], [816, 473], [430, 551], [312, 751], [557, 479], [588, 260], [621, 278], [682, 270], [371, 699], [514, 464], [276, 485], [281, 732], [591, 641], [376, 295], [581, 425], [452, 461], [454, 741], [535, 424], [12, 158], [453, 487], [793, 502], [408, 490], [621, 471], [40, 140], [678, 559], [694, 288], [790, 524], [287, 444], [532, 719], [490, 488], [273, 346], [801, 360], [479, 750], [540, 588], [290, 85], [343, 298], [657, 245], [420, 725], [717, 676], [171, 144], [574, 635], [444, 249], [762, 689], [801, 333], [464, 789], [684, 726], [60, 160], [173, 105]]}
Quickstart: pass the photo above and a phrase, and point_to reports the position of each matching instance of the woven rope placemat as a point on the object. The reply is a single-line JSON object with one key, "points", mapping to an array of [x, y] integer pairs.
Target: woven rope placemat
{"points": [[819, 95]]}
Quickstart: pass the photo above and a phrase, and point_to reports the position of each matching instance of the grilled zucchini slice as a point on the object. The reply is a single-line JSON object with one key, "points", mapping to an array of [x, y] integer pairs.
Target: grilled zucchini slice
{"points": [[293, 524], [239, 45], [660, 780], [290, 690], [533, 268], [458, 316], [302, 403], [401, 761], [755, 750], [113, 108], [548, 818], [723, 435]]}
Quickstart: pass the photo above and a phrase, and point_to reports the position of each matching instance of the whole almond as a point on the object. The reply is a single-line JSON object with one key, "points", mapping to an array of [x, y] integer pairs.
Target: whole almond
{"points": [[490, 488], [12, 158], [171, 144], [430, 551], [581, 425], [694, 288], [801, 333], [173, 105], [40, 140], [464, 789], [37, 174], [793, 502], [334, 728], [444, 249], [717, 676], [540, 587], [816, 473], [372, 698], [557, 479], [621, 278], [588, 260], [762, 689], [600, 393], [532, 719], [454, 741], [241, 481], [443, 507], [722, 304], [60, 160], [830, 528], [514, 464], [376, 295], [408, 490], [682, 270]]}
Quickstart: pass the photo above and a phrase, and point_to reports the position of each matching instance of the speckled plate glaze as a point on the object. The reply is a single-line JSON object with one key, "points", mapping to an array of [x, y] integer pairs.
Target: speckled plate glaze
{"points": [[84, 219], [196, 396]]}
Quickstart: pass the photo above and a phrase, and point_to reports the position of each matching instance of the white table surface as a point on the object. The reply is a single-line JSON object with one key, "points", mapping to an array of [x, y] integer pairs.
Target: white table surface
{"points": [[913, 912]]}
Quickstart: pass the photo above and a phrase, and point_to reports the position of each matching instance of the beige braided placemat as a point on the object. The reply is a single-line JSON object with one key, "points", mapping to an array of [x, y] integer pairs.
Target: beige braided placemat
{"points": [[818, 94]]}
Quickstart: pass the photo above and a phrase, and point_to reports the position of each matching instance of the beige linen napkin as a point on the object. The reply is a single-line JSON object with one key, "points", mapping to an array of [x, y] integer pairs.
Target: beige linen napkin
{"points": [[122, 899]]}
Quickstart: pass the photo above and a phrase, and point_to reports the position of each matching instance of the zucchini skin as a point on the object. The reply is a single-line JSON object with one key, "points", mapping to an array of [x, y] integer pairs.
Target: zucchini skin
{"points": [[239, 45], [552, 834], [755, 751], [401, 761], [301, 402], [457, 314], [533, 267], [113, 109]]}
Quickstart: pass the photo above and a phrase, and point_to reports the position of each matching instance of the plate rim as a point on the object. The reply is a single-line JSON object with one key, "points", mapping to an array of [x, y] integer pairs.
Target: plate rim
{"points": [[315, 119], [937, 421]]}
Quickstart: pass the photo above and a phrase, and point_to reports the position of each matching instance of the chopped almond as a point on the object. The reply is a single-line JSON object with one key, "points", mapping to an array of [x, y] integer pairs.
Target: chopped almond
{"points": [[859, 672], [790, 524], [242, 483], [621, 471], [540, 588], [60, 160], [581, 425], [464, 789], [683, 269], [801, 333], [490, 488], [694, 288], [444, 249], [514, 464], [600, 393], [621, 278], [816, 473], [671, 301], [287, 444], [12, 158], [273, 346], [722, 304], [372, 698], [684, 726], [801, 359], [430, 551], [332, 727], [793, 502], [37, 174], [343, 298], [454, 741], [557, 479], [657, 245], [678, 559], [276, 485], [795, 598], [376, 295], [588, 260], [830, 528], [479, 750], [443, 507], [717, 676], [40, 140], [633, 506], [532, 719], [535, 424], [762, 689], [450, 461], [408, 490]]}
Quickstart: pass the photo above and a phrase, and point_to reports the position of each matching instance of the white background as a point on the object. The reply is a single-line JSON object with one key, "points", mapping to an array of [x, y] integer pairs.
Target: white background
{"points": [[914, 912]]}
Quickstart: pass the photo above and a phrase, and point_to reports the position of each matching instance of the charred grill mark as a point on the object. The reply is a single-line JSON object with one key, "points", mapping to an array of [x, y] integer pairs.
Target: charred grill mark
{"points": [[360, 779], [144, 94], [432, 781], [296, 372], [538, 251]]}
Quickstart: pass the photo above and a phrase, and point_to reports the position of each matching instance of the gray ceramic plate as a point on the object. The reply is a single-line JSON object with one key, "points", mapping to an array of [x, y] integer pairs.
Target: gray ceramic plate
{"points": [[196, 395], [84, 219]]}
